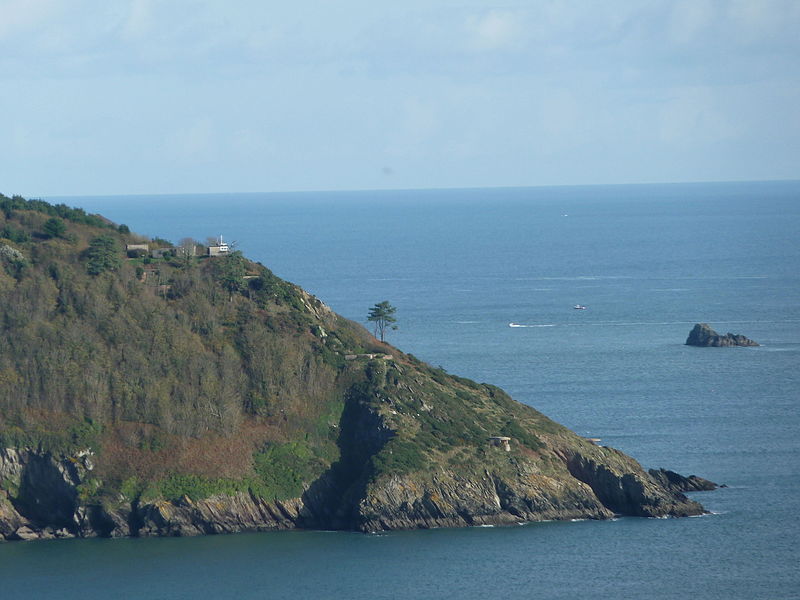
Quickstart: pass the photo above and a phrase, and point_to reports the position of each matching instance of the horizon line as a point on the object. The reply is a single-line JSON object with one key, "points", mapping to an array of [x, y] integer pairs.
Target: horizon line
{"points": [[412, 189]]}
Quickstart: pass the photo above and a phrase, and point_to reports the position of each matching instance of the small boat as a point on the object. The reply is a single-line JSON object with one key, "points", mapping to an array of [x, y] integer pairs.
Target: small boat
{"points": [[514, 325], [579, 307]]}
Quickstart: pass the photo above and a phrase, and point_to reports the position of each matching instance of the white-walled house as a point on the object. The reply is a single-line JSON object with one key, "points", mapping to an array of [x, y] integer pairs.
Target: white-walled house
{"points": [[221, 247]]}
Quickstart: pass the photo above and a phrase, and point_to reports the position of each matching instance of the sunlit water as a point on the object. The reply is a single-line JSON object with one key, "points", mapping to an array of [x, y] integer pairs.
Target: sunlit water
{"points": [[460, 265]]}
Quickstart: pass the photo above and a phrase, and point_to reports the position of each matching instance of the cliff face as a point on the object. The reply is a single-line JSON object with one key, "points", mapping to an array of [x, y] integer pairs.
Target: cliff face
{"points": [[187, 396], [702, 335], [566, 477]]}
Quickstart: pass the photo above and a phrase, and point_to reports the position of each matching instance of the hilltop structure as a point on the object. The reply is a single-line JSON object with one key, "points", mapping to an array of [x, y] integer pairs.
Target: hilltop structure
{"points": [[219, 248]]}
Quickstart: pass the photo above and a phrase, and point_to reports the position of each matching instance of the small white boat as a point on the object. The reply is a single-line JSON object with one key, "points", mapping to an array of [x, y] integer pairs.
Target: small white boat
{"points": [[579, 307], [514, 325]]}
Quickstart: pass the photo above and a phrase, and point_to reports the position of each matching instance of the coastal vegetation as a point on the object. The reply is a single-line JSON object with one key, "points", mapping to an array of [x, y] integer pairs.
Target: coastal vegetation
{"points": [[150, 379], [154, 353]]}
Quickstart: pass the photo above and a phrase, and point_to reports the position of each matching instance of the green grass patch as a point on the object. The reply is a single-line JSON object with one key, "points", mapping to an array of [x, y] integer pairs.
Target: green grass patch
{"points": [[283, 470], [519, 434], [195, 487], [10, 486], [79, 436], [398, 456]]}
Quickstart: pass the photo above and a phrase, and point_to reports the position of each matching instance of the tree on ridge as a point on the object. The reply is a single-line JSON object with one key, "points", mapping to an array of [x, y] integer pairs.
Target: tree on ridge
{"points": [[382, 314]]}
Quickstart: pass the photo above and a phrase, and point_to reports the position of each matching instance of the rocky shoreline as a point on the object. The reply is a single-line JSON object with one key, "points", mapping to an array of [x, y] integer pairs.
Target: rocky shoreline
{"points": [[41, 498]]}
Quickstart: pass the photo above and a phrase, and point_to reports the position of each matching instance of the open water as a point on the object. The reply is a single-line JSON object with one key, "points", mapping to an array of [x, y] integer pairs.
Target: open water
{"points": [[460, 265]]}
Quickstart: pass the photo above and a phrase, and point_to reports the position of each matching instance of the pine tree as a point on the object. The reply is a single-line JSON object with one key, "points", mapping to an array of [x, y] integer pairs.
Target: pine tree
{"points": [[54, 228], [382, 314], [103, 255]]}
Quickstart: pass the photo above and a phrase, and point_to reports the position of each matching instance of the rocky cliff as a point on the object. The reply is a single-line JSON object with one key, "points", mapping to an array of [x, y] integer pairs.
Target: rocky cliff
{"points": [[702, 335], [180, 395], [675, 482], [563, 477]]}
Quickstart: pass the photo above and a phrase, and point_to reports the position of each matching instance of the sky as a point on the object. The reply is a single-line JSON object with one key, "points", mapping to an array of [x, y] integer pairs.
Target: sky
{"points": [[182, 96]]}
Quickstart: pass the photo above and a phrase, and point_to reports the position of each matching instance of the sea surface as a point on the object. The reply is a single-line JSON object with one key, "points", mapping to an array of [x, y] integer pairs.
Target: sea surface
{"points": [[648, 261]]}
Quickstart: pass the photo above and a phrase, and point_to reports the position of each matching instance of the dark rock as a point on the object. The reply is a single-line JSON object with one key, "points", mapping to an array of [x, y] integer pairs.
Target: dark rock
{"points": [[48, 491], [63, 533], [622, 485], [100, 521], [702, 335], [678, 483]]}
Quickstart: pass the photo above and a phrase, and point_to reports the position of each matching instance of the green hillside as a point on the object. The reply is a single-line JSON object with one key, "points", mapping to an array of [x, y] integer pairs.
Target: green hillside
{"points": [[158, 380], [146, 357]]}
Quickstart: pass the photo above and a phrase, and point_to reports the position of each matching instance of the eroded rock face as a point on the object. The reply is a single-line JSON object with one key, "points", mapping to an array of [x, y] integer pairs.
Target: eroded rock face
{"points": [[678, 483], [562, 476], [702, 335], [450, 500], [625, 488], [590, 483], [39, 499], [218, 514], [554, 475]]}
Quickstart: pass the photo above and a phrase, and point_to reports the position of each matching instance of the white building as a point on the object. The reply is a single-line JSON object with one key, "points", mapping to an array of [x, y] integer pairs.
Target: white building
{"points": [[221, 247]]}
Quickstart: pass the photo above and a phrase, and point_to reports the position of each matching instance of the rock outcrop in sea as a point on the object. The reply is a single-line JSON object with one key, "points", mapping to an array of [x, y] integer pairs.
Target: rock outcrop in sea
{"points": [[702, 335], [678, 483]]}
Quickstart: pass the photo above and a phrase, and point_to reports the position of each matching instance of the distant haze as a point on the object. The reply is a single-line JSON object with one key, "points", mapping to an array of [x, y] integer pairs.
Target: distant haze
{"points": [[148, 96]]}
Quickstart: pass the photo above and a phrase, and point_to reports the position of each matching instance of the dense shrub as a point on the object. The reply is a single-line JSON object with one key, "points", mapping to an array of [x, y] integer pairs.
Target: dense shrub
{"points": [[54, 227], [284, 468], [398, 456]]}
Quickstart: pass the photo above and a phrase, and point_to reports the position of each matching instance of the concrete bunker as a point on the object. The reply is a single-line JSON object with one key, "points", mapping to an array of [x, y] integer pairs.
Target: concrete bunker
{"points": [[501, 442]]}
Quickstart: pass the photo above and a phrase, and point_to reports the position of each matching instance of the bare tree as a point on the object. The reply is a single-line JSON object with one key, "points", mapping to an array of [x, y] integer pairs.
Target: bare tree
{"points": [[187, 249]]}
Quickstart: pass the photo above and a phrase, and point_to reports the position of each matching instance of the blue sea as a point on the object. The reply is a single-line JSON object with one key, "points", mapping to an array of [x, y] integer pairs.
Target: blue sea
{"points": [[648, 261]]}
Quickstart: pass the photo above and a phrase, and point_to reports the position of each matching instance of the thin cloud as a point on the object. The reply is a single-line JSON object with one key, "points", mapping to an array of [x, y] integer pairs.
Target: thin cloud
{"points": [[18, 17], [139, 20], [494, 29], [289, 96]]}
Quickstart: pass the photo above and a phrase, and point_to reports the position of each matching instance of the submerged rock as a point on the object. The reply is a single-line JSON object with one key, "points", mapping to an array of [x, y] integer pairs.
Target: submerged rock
{"points": [[702, 335]]}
